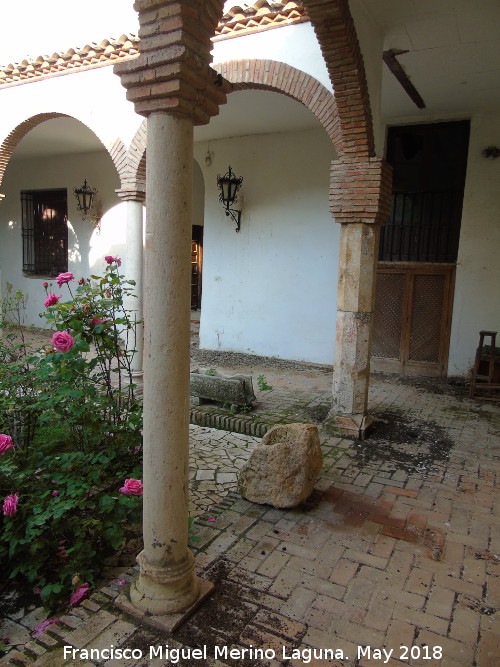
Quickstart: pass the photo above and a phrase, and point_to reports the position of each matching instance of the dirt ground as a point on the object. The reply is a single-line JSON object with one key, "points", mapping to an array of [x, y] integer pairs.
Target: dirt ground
{"points": [[34, 337]]}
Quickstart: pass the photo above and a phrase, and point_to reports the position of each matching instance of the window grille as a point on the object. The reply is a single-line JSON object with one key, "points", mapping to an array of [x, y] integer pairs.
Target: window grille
{"points": [[45, 232], [429, 163], [423, 227]]}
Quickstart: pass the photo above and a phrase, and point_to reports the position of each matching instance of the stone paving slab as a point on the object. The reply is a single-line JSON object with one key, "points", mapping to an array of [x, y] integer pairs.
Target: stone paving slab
{"points": [[393, 560]]}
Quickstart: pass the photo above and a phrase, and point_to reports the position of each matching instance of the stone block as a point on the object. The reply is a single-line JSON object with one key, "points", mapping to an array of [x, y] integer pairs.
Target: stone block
{"points": [[209, 385], [282, 470]]}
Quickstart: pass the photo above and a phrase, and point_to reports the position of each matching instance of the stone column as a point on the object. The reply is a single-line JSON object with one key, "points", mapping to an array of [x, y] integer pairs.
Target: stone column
{"points": [[360, 201], [134, 271], [172, 84], [355, 302], [166, 582]]}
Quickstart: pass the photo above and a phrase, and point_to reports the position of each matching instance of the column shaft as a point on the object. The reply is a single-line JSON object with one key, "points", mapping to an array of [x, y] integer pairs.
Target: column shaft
{"points": [[166, 582], [355, 305]]}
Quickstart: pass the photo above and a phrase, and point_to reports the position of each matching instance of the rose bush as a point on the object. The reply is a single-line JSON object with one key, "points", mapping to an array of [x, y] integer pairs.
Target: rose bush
{"points": [[71, 433]]}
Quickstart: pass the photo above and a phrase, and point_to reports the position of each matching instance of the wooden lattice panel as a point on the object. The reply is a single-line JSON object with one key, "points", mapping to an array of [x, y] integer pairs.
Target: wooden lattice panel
{"points": [[428, 295], [412, 318], [388, 316]]}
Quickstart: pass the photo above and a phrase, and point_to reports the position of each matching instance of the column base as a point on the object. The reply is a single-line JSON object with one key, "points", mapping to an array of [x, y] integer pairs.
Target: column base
{"points": [[167, 622], [357, 426], [163, 590]]}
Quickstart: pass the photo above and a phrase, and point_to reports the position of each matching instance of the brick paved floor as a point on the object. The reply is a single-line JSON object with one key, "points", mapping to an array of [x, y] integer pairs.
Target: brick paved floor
{"points": [[397, 547]]}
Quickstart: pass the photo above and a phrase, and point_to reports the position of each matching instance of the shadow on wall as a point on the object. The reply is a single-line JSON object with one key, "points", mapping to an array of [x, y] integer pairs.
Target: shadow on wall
{"points": [[110, 239]]}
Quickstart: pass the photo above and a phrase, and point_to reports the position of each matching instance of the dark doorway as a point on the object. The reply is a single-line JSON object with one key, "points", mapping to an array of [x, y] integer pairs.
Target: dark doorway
{"points": [[419, 247], [196, 266]]}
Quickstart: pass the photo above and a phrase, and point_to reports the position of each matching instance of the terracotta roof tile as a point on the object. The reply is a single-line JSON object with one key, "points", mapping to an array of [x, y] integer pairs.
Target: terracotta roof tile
{"points": [[259, 16], [239, 20], [90, 55]]}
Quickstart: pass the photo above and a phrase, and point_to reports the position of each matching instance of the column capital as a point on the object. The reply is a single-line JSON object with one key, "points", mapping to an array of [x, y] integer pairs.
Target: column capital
{"points": [[360, 190], [172, 72], [131, 194]]}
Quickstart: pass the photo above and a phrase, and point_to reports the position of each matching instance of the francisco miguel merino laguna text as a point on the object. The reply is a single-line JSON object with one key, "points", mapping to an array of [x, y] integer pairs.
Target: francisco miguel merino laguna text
{"points": [[166, 652]]}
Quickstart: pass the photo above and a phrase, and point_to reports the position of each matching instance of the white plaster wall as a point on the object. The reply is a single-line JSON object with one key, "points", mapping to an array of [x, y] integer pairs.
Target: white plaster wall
{"points": [[295, 45], [271, 289], [477, 293], [86, 247], [57, 172]]}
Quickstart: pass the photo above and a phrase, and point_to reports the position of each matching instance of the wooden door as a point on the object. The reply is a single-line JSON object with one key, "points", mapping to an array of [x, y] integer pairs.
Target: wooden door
{"points": [[413, 319], [418, 248]]}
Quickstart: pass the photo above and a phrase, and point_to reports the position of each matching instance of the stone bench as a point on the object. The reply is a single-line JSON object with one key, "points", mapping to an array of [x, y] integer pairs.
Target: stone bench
{"points": [[207, 385]]}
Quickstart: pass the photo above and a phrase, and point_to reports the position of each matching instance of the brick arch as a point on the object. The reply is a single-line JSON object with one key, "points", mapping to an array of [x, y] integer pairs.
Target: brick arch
{"points": [[350, 124], [282, 78], [336, 33], [115, 148], [135, 177], [255, 75], [337, 38]]}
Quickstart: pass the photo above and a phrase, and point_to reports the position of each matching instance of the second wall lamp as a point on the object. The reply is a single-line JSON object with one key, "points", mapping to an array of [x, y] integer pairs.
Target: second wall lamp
{"points": [[84, 197], [229, 184]]}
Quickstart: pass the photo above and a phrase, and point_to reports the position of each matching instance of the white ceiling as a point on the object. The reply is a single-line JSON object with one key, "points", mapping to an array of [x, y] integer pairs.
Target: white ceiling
{"points": [[453, 61], [256, 112], [454, 54], [58, 136]]}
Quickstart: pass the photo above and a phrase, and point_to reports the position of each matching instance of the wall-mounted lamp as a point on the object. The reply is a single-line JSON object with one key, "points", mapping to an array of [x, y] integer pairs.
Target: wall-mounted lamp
{"points": [[491, 151], [229, 184], [88, 203], [84, 197]]}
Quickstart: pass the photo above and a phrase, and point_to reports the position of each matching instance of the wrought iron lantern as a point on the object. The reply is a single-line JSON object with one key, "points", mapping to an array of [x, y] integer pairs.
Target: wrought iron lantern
{"points": [[229, 184], [85, 198]]}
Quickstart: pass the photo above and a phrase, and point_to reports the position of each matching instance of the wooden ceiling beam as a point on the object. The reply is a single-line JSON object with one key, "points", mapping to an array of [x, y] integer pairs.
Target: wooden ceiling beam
{"points": [[396, 69]]}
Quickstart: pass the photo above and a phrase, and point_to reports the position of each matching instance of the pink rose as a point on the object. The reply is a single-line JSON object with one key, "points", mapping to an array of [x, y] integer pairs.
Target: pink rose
{"points": [[100, 320], [41, 627], [54, 494], [45, 285], [51, 300], [113, 258], [132, 486], [78, 594], [9, 506], [5, 443], [62, 341], [64, 278]]}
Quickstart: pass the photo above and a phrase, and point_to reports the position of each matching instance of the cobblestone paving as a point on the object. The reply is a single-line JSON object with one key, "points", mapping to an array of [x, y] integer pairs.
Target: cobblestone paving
{"points": [[214, 461], [396, 550]]}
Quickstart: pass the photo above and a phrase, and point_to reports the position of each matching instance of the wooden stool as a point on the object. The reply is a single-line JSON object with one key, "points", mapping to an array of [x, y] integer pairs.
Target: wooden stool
{"points": [[486, 372]]}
